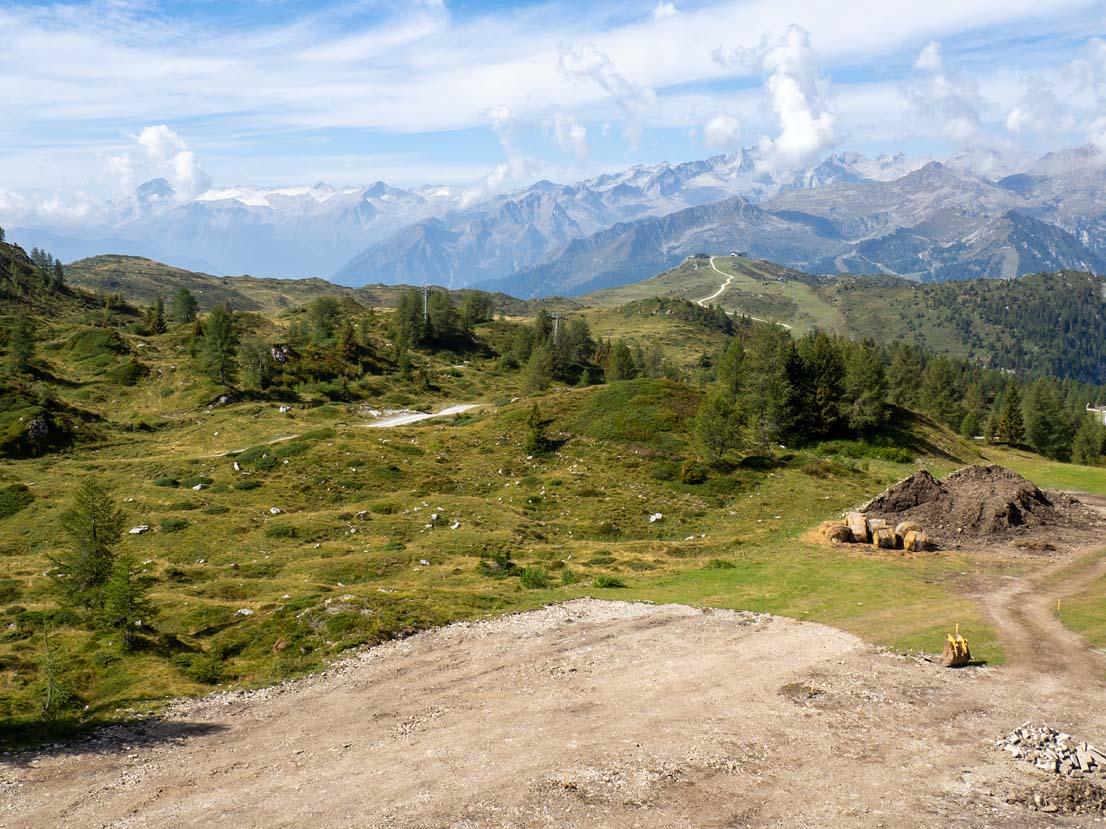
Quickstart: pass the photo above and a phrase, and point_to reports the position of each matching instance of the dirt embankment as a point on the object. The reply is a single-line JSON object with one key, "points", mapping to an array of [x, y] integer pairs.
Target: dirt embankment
{"points": [[587, 714], [982, 504]]}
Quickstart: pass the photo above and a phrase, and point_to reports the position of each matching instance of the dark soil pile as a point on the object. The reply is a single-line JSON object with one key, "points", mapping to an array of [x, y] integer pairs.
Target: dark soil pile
{"points": [[975, 502], [1065, 797]]}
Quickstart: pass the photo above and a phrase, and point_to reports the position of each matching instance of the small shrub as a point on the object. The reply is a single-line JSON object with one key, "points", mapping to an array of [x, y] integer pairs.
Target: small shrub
{"points": [[281, 531], [719, 564], [569, 576], [127, 373], [185, 505], [601, 560], [10, 590], [500, 566], [247, 484], [197, 480], [608, 581], [215, 509], [608, 529], [664, 471], [169, 483], [174, 525], [13, 498], [534, 578], [693, 472]]}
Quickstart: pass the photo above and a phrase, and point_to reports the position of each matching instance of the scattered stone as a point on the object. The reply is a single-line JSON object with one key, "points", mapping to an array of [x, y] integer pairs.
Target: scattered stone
{"points": [[424, 562], [655, 517], [1054, 751], [244, 611], [237, 467], [139, 530], [199, 487], [275, 511]]}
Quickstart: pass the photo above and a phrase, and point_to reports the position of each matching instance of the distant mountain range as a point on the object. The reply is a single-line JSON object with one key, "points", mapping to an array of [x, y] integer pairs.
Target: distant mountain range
{"points": [[847, 214]]}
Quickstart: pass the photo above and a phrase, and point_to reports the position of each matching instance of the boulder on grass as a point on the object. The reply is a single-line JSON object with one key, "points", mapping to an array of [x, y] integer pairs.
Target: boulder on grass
{"points": [[915, 541], [883, 538], [858, 525]]}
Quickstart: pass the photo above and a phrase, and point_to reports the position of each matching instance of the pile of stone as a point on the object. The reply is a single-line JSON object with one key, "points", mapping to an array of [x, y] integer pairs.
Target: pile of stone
{"points": [[1054, 751], [857, 528]]}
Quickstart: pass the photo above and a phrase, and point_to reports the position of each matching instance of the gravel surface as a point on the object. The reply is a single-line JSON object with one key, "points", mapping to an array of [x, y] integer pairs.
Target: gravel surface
{"points": [[588, 714]]}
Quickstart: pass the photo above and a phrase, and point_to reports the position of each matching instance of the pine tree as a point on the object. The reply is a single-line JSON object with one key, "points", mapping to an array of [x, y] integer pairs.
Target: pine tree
{"points": [[536, 441], [904, 375], [441, 317], [58, 280], [865, 389], [620, 365], [220, 342], [21, 345], [2, 237], [768, 397], [322, 316], [55, 695], [346, 347], [94, 526], [155, 319], [125, 602], [1011, 426], [1047, 428], [256, 360], [940, 384], [539, 369], [1089, 441], [718, 423], [408, 326], [822, 385], [729, 365], [184, 306]]}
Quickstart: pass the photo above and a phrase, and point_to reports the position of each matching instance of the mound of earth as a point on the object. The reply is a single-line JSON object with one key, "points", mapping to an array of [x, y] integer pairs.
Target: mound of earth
{"points": [[976, 502]]}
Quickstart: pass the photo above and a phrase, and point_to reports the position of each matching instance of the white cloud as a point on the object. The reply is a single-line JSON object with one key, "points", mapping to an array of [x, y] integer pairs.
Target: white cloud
{"points": [[1039, 110], [1097, 133], [664, 10], [587, 62], [512, 170], [799, 98], [944, 97], [722, 132], [571, 135]]}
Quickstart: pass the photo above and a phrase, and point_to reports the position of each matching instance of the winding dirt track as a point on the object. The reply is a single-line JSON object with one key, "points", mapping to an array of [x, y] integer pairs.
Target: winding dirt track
{"points": [[601, 714]]}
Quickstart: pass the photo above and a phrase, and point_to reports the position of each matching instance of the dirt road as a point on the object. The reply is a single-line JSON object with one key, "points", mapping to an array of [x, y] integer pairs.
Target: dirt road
{"points": [[589, 714], [729, 278]]}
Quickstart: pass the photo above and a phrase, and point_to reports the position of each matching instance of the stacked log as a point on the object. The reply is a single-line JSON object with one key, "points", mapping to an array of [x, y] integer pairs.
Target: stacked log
{"points": [[858, 525], [915, 541], [883, 538]]}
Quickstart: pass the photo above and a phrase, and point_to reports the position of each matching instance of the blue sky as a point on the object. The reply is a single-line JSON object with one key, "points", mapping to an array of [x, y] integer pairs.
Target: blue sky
{"points": [[101, 95]]}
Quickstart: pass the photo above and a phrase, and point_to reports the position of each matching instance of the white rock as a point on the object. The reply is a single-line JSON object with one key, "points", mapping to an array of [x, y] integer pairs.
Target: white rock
{"points": [[140, 529], [655, 517], [245, 611], [455, 525], [198, 487], [424, 562], [237, 468], [275, 511]]}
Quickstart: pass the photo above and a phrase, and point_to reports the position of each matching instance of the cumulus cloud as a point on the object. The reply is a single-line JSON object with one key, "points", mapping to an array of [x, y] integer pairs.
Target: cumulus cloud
{"points": [[1039, 110], [163, 153], [945, 97], [722, 132], [571, 135], [503, 123], [664, 10], [798, 95], [585, 62]]}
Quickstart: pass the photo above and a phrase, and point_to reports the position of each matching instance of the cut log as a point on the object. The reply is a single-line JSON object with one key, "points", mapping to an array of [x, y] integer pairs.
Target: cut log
{"points": [[858, 524], [883, 538], [904, 527], [915, 541], [878, 524], [838, 534]]}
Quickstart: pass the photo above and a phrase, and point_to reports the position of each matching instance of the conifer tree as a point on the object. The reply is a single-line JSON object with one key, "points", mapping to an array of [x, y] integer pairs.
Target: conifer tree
{"points": [[57, 282], [865, 389], [55, 695], [184, 306], [125, 602], [1011, 426], [94, 525], [539, 369], [1089, 441], [718, 423], [620, 365], [21, 345], [155, 319], [219, 345]]}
